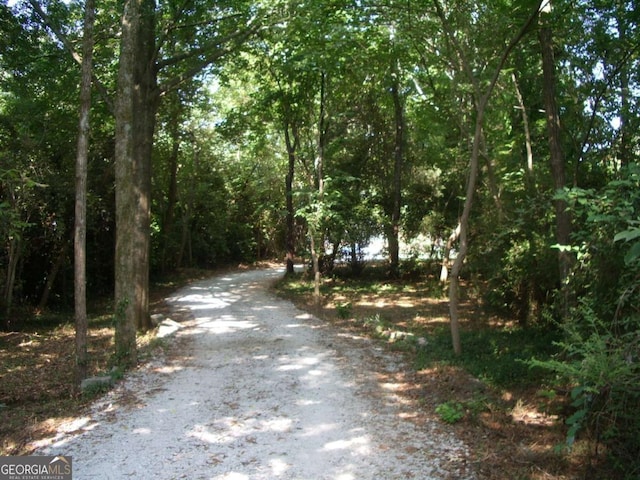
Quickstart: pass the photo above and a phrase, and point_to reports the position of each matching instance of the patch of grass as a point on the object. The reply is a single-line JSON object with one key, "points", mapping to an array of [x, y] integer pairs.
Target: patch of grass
{"points": [[344, 310], [451, 411], [497, 356]]}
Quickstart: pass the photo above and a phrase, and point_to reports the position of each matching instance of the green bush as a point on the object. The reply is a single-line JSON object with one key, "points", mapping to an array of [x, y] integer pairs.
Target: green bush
{"points": [[601, 348], [601, 360]]}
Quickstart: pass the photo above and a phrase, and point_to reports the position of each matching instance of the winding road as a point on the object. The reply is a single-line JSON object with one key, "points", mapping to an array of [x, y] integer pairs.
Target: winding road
{"points": [[257, 389]]}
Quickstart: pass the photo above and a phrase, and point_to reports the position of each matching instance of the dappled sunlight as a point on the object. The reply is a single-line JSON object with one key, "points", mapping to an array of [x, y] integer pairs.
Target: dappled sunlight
{"points": [[262, 394], [384, 301], [320, 429], [168, 369], [531, 415], [359, 445], [225, 324]]}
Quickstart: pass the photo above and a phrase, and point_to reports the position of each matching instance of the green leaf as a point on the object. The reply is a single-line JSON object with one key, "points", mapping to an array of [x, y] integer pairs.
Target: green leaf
{"points": [[633, 254], [626, 235]]}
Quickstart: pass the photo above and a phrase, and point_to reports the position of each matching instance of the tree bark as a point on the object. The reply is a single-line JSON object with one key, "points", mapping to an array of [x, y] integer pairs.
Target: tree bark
{"points": [[290, 235], [626, 136], [53, 273], [172, 198], [527, 134], [80, 228], [313, 230], [136, 105], [463, 246], [563, 217], [15, 250], [398, 157]]}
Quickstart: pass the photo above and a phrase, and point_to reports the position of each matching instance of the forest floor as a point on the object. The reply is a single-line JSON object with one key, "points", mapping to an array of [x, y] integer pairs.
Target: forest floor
{"points": [[514, 426], [510, 433]]}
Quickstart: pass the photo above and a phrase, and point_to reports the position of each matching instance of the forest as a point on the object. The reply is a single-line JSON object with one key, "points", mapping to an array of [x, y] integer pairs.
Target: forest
{"points": [[493, 145]]}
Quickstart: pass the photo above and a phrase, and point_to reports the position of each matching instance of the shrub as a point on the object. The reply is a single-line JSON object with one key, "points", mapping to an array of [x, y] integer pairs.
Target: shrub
{"points": [[450, 412], [601, 361]]}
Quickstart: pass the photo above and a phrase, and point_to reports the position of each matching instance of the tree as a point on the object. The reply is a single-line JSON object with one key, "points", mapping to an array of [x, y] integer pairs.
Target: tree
{"points": [[398, 163], [135, 110], [481, 100], [80, 244], [563, 217]]}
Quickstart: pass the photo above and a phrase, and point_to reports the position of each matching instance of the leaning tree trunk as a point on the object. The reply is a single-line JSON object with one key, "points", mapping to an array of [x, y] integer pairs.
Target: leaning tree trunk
{"points": [[454, 284], [482, 99]]}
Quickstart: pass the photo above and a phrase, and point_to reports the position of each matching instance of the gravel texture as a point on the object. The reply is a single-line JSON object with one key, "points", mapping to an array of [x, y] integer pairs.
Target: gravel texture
{"points": [[257, 389]]}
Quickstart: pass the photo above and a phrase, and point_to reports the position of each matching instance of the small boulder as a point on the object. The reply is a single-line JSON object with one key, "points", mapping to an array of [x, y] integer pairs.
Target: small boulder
{"points": [[156, 319], [168, 327], [93, 384]]}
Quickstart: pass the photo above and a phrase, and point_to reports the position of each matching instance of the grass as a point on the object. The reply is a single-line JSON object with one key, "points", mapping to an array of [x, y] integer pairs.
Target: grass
{"points": [[511, 415], [497, 356]]}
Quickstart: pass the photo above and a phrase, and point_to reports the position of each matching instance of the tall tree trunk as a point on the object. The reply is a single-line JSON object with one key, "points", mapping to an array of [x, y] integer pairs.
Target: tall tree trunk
{"points": [[313, 229], [14, 252], [290, 240], [529, 284], [398, 157], [463, 246], [185, 241], [136, 105], [527, 135], [563, 217], [625, 112], [446, 256], [80, 228]]}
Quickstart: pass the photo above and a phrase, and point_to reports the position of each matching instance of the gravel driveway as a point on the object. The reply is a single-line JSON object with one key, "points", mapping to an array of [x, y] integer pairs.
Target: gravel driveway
{"points": [[259, 390]]}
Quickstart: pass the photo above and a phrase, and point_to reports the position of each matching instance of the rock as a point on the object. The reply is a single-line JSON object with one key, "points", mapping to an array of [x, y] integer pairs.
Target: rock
{"points": [[156, 319], [96, 383], [168, 327]]}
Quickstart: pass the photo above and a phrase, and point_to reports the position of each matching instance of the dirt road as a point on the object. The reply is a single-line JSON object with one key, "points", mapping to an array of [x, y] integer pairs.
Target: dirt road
{"points": [[259, 390]]}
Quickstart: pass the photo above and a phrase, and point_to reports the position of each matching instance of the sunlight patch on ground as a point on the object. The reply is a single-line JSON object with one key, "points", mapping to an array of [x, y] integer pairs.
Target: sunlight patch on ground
{"points": [[530, 415], [168, 369], [356, 444], [82, 423], [278, 466], [232, 476], [226, 324], [206, 302], [319, 429]]}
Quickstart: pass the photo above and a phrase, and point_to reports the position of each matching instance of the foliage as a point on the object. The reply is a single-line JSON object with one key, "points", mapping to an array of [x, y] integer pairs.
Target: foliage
{"points": [[600, 350], [497, 356], [520, 268], [602, 364], [324, 73], [451, 411]]}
